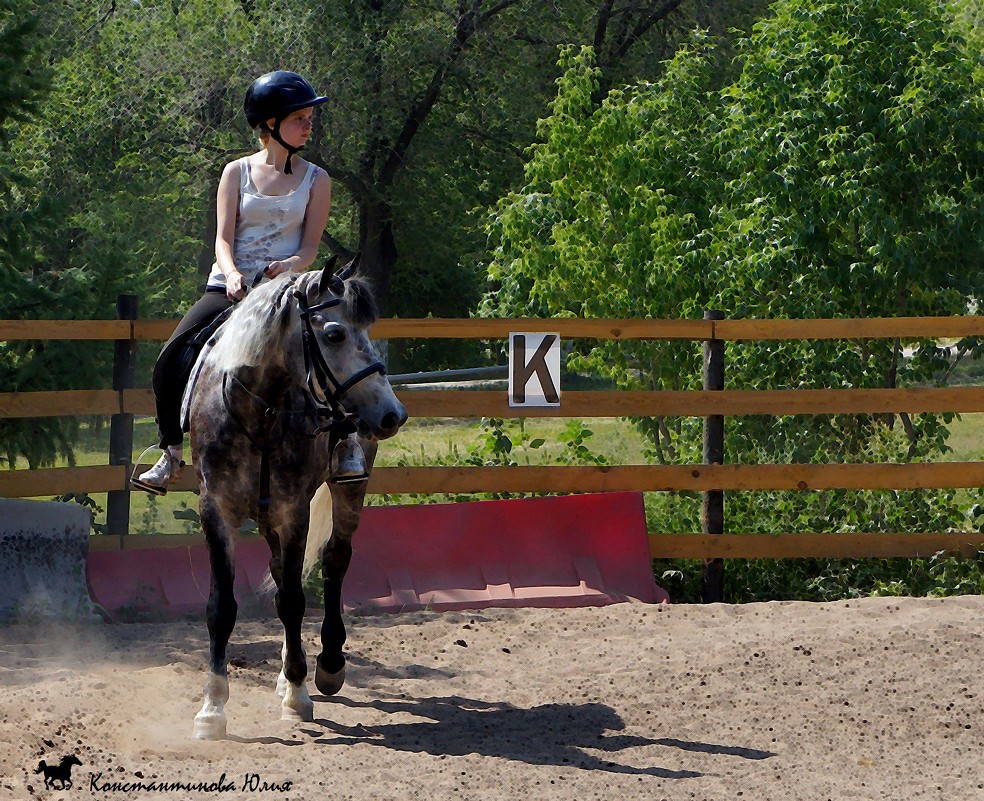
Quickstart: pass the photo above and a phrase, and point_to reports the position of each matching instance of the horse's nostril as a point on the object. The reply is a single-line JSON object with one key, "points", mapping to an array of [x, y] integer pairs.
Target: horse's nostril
{"points": [[392, 421]]}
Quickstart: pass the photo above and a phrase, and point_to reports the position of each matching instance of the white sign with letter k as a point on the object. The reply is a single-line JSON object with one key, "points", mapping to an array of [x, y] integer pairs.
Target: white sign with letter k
{"points": [[534, 370]]}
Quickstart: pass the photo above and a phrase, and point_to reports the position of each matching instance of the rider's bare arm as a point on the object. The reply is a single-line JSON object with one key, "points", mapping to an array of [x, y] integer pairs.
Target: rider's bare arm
{"points": [[227, 204]]}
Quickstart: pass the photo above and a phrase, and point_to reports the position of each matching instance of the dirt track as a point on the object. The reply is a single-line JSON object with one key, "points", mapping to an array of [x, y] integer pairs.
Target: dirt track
{"points": [[874, 699]]}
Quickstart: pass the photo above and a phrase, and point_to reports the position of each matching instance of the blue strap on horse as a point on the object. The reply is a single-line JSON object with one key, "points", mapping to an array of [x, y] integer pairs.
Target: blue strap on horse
{"points": [[266, 446]]}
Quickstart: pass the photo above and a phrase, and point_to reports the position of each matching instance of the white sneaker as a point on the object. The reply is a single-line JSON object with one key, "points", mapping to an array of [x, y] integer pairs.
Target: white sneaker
{"points": [[348, 462], [161, 476]]}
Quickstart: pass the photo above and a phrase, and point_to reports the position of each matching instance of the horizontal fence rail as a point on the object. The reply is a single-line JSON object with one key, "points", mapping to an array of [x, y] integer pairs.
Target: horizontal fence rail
{"points": [[485, 403], [564, 478], [907, 328], [704, 478]]}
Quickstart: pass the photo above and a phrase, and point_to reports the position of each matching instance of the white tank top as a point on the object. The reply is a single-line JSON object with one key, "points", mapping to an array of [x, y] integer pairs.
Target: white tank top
{"points": [[268, 227]]}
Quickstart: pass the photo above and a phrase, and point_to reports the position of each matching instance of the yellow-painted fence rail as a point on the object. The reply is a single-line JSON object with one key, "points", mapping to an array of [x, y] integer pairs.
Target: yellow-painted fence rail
{"points": [[125, 401]]}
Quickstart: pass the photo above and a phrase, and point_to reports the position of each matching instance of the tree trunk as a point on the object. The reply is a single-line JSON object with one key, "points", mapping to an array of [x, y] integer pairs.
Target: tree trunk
{"points": [[378, 247]]}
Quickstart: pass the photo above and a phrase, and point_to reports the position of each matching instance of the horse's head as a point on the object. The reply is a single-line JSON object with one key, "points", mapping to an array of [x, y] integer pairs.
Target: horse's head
{"points": [[340, 364]]}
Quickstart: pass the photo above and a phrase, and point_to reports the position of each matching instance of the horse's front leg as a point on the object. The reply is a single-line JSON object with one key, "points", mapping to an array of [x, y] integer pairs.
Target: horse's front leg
{"points": [[347, 501], [286, 567], [210, 722]]}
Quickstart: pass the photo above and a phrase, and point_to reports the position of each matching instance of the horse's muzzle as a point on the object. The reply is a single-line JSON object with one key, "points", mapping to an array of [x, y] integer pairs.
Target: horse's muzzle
{"points": [[384, 426], [392, 422]]}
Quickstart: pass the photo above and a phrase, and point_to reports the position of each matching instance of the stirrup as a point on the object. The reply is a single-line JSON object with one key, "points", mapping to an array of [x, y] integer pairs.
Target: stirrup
{"points": [[153, 489], [348, 463]]}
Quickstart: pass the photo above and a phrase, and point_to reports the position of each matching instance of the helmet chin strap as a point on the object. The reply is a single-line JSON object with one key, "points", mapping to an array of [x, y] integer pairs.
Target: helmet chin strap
{"points": [[291, 150]]}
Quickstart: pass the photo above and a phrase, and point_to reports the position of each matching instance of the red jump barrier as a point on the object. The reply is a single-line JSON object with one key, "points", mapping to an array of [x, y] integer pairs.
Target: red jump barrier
{"points": [[168, 580], [576, 550]]}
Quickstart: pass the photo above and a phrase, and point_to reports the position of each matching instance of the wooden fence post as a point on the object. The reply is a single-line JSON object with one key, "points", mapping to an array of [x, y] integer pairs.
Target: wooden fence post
{"points": [[121, 425], [712, 508]]}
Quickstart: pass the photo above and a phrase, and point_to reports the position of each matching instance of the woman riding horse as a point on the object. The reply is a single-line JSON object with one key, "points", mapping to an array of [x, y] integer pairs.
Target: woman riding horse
{"points": [[270, 217]]}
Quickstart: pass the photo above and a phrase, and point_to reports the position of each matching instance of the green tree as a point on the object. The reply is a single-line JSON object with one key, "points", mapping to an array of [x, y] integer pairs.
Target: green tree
{"points": [[434, 102], [131, 142], [606, 225], [26, 289], [22, 86], [839, 174], [431, 107], [115, 166], [853, 188]]}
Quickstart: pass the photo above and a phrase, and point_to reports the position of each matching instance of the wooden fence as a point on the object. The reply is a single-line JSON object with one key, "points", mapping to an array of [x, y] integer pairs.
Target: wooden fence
{"points": [[713, 404]]}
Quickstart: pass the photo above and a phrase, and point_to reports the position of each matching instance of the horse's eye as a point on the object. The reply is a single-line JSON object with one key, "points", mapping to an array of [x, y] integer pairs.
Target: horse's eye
{"points": [[335, 333]]}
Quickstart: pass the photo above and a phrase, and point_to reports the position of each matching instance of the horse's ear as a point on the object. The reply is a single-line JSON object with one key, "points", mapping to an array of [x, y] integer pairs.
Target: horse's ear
{"points": [[327, 272], [352, 267], [361, 302]]}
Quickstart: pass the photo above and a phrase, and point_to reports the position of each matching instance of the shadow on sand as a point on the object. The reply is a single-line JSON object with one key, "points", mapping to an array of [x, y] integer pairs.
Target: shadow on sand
{"points": [[562, 735]]}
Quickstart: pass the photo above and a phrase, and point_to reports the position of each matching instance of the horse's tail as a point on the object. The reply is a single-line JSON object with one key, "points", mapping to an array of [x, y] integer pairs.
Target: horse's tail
{"points": [[319, 532], [319, 529]]}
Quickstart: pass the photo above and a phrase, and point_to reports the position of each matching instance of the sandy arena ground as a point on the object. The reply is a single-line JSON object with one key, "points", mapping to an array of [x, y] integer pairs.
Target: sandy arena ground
{"points": [[872, 699]]}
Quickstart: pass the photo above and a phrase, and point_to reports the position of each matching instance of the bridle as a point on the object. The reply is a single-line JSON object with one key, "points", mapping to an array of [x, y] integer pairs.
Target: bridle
{"points": [[322, 383]]}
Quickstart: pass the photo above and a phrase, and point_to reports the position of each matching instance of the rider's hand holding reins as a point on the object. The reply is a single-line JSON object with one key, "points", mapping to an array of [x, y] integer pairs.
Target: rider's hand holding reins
{"points": [[276, 268], [235, 286]]}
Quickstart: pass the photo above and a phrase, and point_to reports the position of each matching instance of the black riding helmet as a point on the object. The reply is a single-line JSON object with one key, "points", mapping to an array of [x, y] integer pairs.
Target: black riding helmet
{"points": [[274, 96]]}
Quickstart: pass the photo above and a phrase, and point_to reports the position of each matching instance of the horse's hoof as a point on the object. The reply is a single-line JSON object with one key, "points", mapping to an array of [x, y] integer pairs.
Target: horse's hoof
{"points": [[298, 706], [329, 683], [210, 726], [304, 714]]}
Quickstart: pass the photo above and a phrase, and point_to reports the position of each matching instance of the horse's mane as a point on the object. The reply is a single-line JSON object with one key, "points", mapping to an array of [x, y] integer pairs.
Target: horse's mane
{"points": [[260, 321], [251, 331]]}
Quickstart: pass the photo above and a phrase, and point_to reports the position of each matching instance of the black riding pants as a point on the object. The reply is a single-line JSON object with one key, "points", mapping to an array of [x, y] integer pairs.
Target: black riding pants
{"points": [[170, 372]]}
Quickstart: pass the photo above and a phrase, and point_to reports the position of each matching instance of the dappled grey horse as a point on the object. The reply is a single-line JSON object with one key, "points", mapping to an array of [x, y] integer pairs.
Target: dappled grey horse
{"points": [[290, 374]]}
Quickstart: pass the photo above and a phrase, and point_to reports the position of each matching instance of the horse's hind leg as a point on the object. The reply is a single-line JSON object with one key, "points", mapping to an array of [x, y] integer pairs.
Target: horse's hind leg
{"points": [[286, 567], [347, 501], [210, 722]]}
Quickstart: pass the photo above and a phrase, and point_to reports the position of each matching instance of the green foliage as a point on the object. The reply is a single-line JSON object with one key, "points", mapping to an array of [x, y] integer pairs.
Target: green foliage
{"points": [[115, 167], [22, 83], [575, 438], [82, 499], [26, 288], [497, 442], [604, 227], [746, 581], [107, 180], [132, 149], [859, 191], [838, 175]]}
